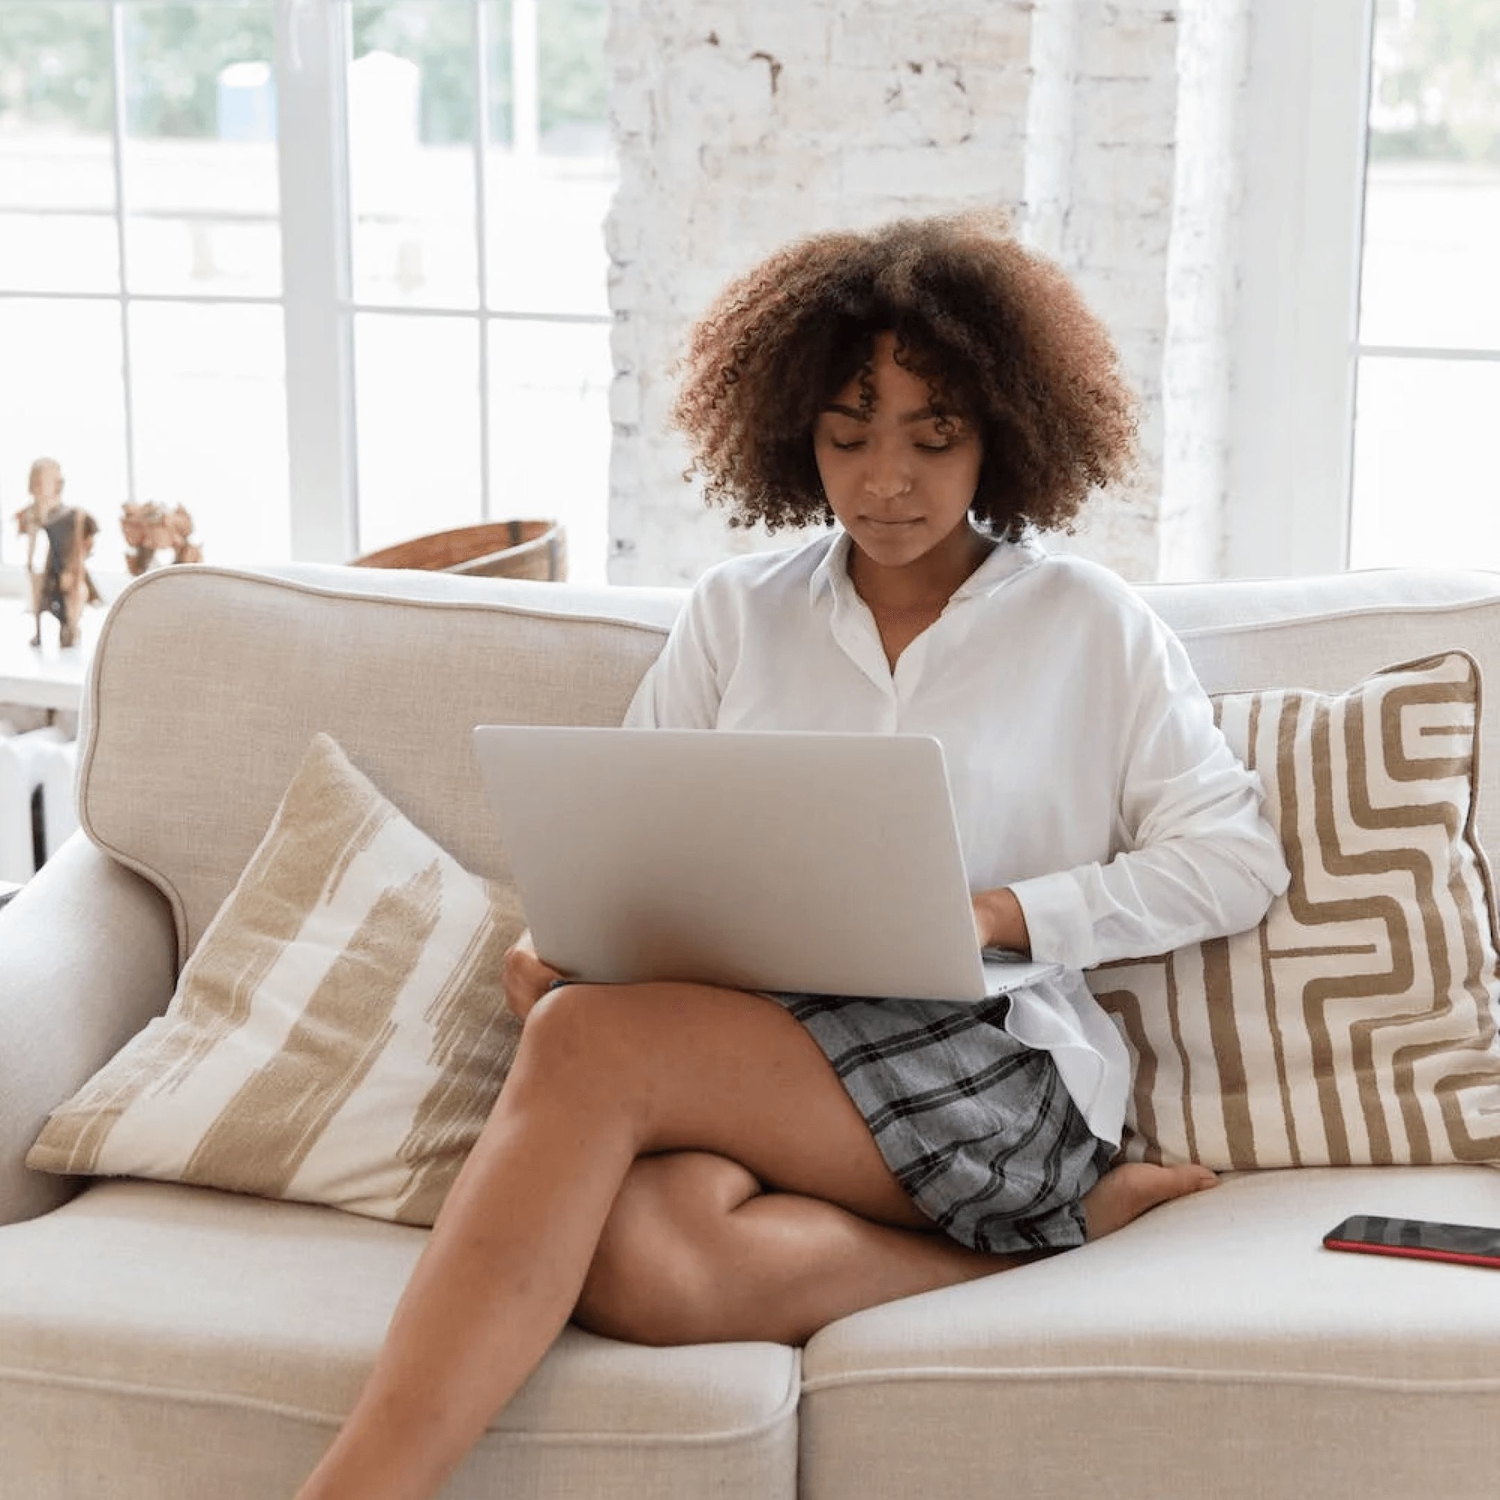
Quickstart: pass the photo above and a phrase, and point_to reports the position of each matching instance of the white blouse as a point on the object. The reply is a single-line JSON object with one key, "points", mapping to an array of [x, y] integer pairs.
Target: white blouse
{"points": [[1086, 769]]}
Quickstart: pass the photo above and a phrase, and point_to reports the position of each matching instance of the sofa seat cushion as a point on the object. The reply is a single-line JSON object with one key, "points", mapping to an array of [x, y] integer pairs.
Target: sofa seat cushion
{"points": [[1211, 1348], [164, 1341]]}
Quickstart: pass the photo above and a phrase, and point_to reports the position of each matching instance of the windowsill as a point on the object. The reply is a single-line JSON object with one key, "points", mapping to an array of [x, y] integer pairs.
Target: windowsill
{"points": [[45, 676], [14, 584]]}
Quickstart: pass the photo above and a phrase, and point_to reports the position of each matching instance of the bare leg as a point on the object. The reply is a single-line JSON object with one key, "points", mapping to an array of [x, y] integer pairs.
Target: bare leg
{"points": [[604, 1077], [694, 1252], [601, 1077]]}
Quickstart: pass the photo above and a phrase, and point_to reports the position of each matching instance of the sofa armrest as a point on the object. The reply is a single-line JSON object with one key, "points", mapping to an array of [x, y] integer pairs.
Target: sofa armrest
{"points": [[87, 957]]}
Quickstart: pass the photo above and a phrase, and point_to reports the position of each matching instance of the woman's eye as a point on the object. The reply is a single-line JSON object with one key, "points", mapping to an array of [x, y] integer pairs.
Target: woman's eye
{"points": [[849, 446], [941, 446]]}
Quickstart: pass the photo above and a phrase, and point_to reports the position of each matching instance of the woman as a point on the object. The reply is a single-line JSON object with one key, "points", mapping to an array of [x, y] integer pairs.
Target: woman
{"points": [[676, 1163]]}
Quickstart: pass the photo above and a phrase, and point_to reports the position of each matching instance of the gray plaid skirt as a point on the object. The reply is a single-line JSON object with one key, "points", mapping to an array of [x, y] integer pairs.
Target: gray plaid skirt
{"points": [[976, 1126]]}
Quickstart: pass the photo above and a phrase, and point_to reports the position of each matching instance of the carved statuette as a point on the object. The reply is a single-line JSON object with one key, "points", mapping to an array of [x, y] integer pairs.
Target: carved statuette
{"points": [[151, 528], [60, 581]]}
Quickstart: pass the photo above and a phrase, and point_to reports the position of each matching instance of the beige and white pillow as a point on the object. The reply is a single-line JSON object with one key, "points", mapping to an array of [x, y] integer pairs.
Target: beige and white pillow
{"points": [[1356, 1025], [338, 1036]]}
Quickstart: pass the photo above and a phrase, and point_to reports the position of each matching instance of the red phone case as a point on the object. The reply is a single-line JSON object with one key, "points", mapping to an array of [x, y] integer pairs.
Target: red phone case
{"points": [[1408, 1252]]}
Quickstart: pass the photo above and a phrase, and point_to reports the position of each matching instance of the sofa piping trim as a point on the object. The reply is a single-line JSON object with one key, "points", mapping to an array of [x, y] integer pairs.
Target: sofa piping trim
{"points": [[1338, 616], [364, 596], [767, 1426], [1166, 1373], [85, 768]]}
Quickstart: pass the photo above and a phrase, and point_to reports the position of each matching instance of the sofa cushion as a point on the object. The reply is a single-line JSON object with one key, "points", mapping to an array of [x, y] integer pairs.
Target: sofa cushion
{"points": [[1356, 1023], [207, 685], [1238, 643], [340, 1034], [165, 1343], [1210, 1348]]}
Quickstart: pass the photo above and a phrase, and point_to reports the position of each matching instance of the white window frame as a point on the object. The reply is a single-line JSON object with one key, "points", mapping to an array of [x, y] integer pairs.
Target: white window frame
{"points": [[312, 46], [1295, 347], [312, 41]]}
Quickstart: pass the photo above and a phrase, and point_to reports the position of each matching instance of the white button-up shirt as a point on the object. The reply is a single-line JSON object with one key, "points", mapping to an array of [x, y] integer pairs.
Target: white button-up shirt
{"points": [[1086, 769]]}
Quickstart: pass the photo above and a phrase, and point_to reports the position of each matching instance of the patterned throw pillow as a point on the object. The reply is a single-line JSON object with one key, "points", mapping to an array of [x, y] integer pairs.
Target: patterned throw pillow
{"points": [[1356, 1025], [339, 1034]]}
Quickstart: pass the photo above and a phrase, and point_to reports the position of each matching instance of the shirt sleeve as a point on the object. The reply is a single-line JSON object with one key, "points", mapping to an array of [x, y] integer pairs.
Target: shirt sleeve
{"points": [[1200, 858], [681, 688]]}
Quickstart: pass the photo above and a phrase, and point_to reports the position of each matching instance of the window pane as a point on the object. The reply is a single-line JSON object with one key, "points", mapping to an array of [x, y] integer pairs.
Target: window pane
{"points": [[550, 433], [550, 168], [200, 158], [210, 423], [411, 154], [1426, 490], [56, 107], [56, 150], [58, 253], [62, 396], [1432, 199], [417, 399]]}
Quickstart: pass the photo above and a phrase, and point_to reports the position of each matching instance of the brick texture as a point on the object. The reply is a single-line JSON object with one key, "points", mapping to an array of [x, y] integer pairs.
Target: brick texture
{"points": [[740, 126]]}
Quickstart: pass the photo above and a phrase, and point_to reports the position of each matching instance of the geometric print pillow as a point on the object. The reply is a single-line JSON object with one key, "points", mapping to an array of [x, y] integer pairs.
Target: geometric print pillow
{"points": [[338, 1036], [1356, 1025]]}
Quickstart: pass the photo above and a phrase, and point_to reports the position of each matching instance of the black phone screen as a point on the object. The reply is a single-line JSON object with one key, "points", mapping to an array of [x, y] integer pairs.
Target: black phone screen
{"points": [[1417, 1236]]}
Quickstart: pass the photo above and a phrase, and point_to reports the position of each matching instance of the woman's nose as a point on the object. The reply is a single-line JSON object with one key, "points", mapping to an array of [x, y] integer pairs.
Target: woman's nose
{"points": [[886, 475]]}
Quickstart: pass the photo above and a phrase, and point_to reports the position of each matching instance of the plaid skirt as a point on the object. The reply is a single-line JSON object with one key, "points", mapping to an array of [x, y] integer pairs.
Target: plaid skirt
{"points": [[976, 1126]]}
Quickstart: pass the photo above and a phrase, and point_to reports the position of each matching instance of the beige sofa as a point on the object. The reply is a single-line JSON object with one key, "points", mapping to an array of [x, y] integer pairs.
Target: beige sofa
{"points": [[167, 1342]]}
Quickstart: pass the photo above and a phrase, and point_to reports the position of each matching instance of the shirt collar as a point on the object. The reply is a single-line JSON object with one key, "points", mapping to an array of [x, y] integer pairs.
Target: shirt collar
{"points": [[1007, 559]]}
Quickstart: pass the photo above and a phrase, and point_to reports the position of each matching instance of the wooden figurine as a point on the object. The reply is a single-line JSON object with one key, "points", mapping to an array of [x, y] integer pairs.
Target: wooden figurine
{"points": [[45, 486], [62, 585], [150, 528]]}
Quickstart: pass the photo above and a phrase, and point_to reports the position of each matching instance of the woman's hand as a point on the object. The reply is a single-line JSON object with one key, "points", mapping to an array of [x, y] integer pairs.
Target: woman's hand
{"points": [[526, 977], [1000, 922]]}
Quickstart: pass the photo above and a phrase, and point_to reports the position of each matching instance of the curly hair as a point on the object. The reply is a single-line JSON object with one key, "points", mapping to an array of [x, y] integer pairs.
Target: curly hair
{"points": [[999, 334]]}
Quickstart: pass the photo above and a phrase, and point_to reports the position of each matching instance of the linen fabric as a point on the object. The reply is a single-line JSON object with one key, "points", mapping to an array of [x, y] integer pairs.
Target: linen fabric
{"points": [[160, 1342], [338, 1037], [979, 1129], [397, 667], [1212, 1348], [1086, 770], [85, 961], [1355, 1025]]}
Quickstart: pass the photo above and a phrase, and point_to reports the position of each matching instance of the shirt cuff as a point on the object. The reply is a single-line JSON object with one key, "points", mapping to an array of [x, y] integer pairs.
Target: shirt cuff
{"points": [[1058, 922]]}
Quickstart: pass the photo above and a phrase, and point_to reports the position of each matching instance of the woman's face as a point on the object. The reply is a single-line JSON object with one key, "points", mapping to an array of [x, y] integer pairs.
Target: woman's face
{"points": [[898, 478]]}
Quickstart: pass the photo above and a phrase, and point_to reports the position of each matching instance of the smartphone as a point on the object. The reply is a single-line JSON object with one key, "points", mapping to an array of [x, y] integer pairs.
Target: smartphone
{"points": [[1468, 1244]]}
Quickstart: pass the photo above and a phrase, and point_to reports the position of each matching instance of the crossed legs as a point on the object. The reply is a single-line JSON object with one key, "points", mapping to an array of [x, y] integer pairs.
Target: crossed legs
{"points": [[678, 1164]]}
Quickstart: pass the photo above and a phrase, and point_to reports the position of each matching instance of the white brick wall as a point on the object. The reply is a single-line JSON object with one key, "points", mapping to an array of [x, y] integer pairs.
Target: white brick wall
{"points": [[743, 125]]}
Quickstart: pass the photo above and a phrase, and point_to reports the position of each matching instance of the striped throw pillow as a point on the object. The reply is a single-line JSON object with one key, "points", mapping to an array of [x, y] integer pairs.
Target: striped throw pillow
{"points": [[338, 1036], [1356, 1025]]}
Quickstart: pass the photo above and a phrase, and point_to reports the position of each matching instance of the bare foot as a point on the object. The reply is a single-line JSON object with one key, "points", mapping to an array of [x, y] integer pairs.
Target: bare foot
{"points": [[1127, 1191]]}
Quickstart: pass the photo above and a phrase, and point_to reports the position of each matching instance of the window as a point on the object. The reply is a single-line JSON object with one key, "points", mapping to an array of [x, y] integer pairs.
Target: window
{"points": [[1424, 484], [328, 273], [1367, 362]]}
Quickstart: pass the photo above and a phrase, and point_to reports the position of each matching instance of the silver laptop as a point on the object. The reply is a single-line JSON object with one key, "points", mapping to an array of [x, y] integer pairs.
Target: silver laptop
{"points": [[827, 863]]}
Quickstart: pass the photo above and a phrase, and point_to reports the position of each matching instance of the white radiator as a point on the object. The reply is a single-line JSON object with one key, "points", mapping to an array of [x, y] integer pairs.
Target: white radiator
{"points": [[41, 759]]}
